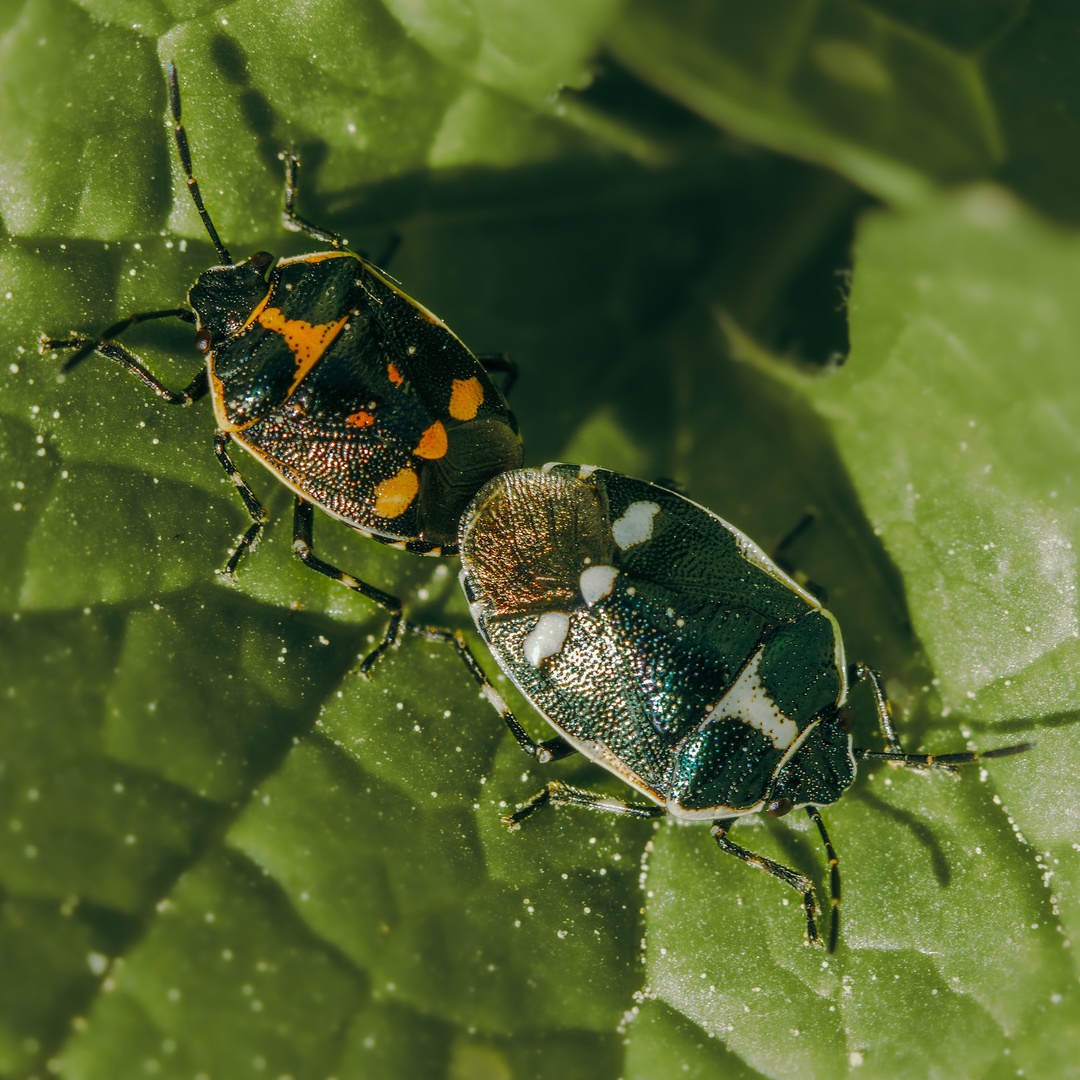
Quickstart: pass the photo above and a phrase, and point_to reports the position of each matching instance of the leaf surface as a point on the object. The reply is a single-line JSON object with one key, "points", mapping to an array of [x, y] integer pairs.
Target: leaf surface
{"points": [[221, 852]]}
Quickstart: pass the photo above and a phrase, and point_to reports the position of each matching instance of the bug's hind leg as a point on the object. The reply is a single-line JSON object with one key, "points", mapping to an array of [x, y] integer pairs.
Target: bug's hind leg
{"points": [[551, 750], [501, 363], [795, 880], [781, 555], [303, 524], [557, 793]]}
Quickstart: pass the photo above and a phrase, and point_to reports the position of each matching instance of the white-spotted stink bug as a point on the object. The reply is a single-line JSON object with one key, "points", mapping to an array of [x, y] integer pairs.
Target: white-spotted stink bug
{"points": [[666, 646], [351, 393]]}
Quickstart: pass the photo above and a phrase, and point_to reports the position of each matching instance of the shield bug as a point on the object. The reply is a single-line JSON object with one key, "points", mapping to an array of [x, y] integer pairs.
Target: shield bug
{"points": [[665, 645], [350, 392]]}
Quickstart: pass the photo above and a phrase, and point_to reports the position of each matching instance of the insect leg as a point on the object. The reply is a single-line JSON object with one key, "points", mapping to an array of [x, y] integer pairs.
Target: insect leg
{"points": [[558, 794], [788, 876], [949, 762], [834, 877], [105, 346], [860, 671], [303, 523], [895, 753], [254, 507], [551, 750], [292, 220], [383, 259], [780, 555], [492, 362]]}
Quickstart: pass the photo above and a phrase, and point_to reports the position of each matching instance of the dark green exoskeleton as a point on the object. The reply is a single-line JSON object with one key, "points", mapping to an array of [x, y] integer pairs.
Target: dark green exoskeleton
{"points": [[666, 646], [350, 392]]}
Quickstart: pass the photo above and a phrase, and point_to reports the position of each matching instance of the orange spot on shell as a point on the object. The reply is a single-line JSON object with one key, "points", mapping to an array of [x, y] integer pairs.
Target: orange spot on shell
{"points": [[432, 443], [394, 496], [393, 373], [466, 396], [306, 341], [360, 419]]}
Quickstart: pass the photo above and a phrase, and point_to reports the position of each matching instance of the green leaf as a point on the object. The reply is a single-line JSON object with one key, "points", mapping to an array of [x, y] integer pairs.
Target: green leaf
{"points": [[894, 95], [224, 853], [954, 418], [964, 318]]}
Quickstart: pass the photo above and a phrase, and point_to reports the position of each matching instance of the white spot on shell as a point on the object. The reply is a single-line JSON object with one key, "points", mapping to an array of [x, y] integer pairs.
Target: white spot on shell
{"points": [[636, 524], [585, 471], [597, 582], [547, 637], [749, 701]]}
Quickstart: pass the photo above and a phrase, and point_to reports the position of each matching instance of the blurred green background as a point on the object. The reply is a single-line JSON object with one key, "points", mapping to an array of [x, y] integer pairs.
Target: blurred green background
{"points": [[792, 254]]}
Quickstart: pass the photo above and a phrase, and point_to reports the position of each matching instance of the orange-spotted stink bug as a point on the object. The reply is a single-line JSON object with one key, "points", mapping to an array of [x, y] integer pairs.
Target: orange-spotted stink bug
{"points": [[351, 393]]}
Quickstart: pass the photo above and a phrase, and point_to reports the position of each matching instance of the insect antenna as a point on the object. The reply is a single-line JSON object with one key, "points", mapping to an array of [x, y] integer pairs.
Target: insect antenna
{"points": [[185, 163]]}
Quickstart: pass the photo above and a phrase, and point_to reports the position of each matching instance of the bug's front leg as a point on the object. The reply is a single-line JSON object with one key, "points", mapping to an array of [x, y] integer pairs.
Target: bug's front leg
{"points": [[800, 883], [896, 753], [557, 793], [303, 525], [104, 345], [255, 508]]}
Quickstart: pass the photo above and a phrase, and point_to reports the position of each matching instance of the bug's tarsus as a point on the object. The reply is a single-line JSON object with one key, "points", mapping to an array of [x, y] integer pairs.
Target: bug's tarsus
{"points": [[946, 762], [292, 220], [530, 806], [185, 163], [1000, 751], [800, 883]]}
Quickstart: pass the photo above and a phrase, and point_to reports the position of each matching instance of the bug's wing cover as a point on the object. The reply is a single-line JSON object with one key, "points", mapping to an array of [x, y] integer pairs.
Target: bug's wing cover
{"points": [[367, 433], [779, 706], [345, 430], [439, 373], [301, 314], [642, 665], [692, 551]]}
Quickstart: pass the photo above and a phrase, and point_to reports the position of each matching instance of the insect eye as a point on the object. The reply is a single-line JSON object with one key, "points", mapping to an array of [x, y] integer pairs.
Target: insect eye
{"points": [[202, 341], [779, 807], [260, 259]]}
